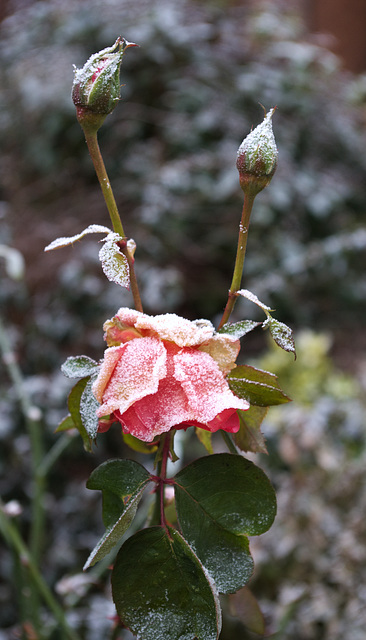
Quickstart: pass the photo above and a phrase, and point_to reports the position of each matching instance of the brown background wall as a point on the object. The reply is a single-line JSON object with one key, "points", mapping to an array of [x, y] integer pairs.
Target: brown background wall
{"points": [[345, 21]]}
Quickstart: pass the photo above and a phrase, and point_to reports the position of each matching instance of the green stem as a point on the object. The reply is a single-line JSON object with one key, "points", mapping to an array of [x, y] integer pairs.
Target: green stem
{"points": [[12, 535], [228, 441], [96, 156], [34, 427], [240, 257], [158, 516]]}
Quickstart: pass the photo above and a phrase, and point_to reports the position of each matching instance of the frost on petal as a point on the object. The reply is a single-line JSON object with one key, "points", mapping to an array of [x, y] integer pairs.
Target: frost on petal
{"points": [[128, 373], [157, 413], [206, 389], [175, 329], [168, 326], [224, 349]]}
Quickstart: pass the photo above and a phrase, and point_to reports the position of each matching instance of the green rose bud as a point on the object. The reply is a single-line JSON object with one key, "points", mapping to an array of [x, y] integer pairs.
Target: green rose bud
{"points": [[257, 157], [96, 87]]}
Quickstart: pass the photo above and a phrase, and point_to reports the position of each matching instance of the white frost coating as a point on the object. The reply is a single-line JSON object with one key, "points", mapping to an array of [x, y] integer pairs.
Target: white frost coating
{"points": [[114, 263], [64, 242], [253, 298], [88, 410], [261, 141]]}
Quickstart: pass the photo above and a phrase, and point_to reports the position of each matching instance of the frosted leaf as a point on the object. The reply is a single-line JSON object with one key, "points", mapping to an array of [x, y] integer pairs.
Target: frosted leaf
{"points": [[253, 298], [281, 334], [88, 410], [238, 329], [79, 367], [64, 242], [114, 263]]}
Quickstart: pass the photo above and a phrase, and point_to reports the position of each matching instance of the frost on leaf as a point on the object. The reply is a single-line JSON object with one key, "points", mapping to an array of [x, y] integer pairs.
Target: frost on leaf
{"points": [[88, 410], [253, 298], [114, 263], [64, 242], [281, 334], [79, 367]]}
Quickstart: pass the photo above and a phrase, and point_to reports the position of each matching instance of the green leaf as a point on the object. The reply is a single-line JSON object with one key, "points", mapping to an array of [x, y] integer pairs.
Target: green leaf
{"points": [[245, 293], [256, 386], [63, 242], [281, 334], [239, 329], [249, 437], [66, 424], [73, 404], [79, 367], [161, 590], [114, 263], [205, 437], [138, 445], [244, 606], [88, 409], [122, 483], [220, 499]]}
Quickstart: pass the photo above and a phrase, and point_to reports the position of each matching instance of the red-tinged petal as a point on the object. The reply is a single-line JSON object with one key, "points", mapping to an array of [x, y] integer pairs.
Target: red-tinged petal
{"points": [[207, 391], [140, 365]]}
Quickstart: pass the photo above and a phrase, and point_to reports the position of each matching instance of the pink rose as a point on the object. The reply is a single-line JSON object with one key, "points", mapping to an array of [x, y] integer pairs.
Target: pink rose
{"points": [[164, 372]]}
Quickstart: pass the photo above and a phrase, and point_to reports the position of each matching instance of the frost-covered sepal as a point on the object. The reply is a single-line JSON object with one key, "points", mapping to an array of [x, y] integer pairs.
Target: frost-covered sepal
{"points": [[96, 87], [257, 157]]}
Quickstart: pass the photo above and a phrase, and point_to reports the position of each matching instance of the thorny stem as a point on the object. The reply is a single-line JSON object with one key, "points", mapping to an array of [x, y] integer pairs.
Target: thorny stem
{"points": [[96, 156], [240, 256]]}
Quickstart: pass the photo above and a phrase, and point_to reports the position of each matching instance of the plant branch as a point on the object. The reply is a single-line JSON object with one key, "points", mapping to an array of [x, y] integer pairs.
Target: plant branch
{"points": [[240, 257], [96, 156]]}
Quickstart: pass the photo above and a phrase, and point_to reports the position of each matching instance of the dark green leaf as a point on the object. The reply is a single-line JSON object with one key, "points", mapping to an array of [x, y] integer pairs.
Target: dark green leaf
{"points": [[244, 606], [122, 483], [256, 386], [73, 404], [281, 334], [219, 500], [161, 591], [79, 367], [249, 437], [239, 329]]}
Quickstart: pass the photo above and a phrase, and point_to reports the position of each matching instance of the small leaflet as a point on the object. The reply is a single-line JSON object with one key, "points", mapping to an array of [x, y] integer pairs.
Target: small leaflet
{"points": [[281, 334], [253, 298], [79, 367], [239, 329], [114, 263], [64, 242]]}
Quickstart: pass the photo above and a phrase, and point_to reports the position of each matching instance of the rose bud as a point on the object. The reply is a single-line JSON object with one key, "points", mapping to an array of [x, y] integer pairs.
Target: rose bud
{"points": [[96, 87], [257, 157]]}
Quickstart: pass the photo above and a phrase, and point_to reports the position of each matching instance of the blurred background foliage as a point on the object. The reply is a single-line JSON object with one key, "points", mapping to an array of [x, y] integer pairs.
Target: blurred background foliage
{"points": [[192, 92]]}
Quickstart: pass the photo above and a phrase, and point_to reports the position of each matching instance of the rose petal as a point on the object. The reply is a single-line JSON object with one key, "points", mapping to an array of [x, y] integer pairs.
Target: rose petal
{"points": [[206, 389], [141, 364], [224, 349]]}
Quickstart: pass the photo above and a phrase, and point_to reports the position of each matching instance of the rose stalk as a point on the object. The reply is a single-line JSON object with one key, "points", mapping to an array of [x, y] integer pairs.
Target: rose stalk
{"points": [[95, 93], [256, 163]]}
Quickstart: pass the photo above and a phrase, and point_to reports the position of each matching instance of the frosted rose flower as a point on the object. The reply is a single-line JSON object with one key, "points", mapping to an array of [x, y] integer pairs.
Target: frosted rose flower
{"points": [[163, 372]]}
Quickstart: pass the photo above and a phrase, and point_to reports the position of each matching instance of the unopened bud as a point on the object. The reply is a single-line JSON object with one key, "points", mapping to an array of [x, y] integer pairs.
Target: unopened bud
{"points": [[96, 87], [257, 157]]}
